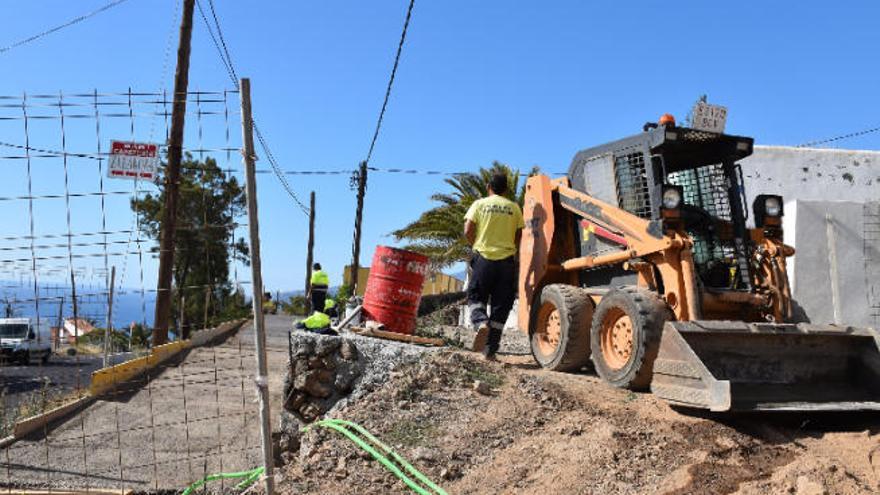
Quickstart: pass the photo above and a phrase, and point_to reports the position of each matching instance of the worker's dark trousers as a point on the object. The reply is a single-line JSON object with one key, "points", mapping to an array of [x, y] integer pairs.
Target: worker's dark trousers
{"points": [[491, 282], [319, 295]]}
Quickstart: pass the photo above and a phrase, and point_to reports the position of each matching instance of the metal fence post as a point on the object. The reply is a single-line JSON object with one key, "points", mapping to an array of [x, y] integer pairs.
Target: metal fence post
{"points": [[262, 379]]}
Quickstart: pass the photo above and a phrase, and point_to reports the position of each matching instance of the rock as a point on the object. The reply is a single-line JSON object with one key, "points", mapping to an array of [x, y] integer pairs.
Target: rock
{"points": [[444, 474], [806, 486], [326, 376], [348, 351], [304, 348], [329, 363], [300, 366], [309, 412], [326, 345], [424, 454], [300, 381], [318, 389], [482, 387], [295, 401], [316, 363]]}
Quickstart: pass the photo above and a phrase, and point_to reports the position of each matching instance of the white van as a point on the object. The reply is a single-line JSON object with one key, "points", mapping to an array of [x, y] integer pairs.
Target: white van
{"points": [[24, 339]]}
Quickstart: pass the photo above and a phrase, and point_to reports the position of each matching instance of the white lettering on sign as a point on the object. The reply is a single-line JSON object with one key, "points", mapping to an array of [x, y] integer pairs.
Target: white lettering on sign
{"points": [[710, 118], [129, 160]]}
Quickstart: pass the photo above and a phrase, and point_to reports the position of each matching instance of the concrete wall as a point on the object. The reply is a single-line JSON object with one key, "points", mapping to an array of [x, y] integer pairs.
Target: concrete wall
{"points": [[812, 174], [826, 191]]}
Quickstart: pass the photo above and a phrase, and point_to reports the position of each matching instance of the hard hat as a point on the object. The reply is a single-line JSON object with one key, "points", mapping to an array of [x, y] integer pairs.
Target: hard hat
{"points": [[667, 119]]}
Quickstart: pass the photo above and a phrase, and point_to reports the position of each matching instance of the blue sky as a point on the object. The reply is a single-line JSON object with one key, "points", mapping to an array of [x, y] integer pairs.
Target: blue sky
{"points": [[526, 83]]}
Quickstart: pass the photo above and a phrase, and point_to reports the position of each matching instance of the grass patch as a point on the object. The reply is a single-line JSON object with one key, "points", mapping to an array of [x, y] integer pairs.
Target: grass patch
{"points": [[409, 433], [474, 372], [34, 404]]}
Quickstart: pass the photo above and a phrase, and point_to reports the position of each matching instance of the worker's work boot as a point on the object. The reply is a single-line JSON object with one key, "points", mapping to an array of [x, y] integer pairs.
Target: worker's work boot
{"points": [[481, 338]]}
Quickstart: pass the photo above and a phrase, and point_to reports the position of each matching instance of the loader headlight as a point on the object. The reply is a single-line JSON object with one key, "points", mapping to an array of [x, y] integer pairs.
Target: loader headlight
{"points": [[671, 197], [773, 206], [765, 207]]}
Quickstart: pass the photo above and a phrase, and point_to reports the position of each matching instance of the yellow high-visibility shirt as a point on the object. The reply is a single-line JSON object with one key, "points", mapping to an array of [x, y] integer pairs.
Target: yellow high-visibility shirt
{"points": [[320, 278], [329, 303], [497, 219], [317, 321]]}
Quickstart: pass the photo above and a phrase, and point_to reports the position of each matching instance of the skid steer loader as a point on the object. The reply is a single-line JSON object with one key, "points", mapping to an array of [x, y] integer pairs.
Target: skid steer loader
{"points": [[641, 260]]}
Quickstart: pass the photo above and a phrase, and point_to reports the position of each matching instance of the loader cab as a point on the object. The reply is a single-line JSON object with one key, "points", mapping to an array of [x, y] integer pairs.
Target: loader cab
{"points": [[701, 167]]}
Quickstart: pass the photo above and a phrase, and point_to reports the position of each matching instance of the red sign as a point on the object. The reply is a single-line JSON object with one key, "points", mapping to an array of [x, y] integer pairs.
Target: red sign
{"points": [[129, 160]]}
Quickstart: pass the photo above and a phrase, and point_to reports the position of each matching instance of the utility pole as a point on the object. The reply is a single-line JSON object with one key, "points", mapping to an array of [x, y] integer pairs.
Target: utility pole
{"points": [[262, 378], [358, 220], [310, 255], [109, 328], [172, 178]]}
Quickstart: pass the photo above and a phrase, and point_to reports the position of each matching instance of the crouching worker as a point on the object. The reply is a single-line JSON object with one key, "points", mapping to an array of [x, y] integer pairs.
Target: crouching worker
{"points": [[330, 308], [318, 322]]}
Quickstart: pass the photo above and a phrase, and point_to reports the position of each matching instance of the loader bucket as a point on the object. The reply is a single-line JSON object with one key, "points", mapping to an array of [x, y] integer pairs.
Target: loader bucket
{"points": [[738, 366]]}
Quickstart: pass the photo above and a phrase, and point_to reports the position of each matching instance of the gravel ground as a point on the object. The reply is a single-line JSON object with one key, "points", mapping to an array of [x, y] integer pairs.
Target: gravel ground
{"points": [[193, 416]]}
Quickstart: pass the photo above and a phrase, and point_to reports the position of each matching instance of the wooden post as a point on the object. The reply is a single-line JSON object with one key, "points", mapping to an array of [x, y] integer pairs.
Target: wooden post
{"points": [[108, 329], [262, 378], [310, 253], [207, 303], [172, 178], [358, 220]]}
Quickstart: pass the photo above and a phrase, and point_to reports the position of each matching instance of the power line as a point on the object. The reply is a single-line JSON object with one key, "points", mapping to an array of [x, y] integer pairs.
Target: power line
{"points": [[226, 58], [390, 81], [61, 26], [838, 138]]}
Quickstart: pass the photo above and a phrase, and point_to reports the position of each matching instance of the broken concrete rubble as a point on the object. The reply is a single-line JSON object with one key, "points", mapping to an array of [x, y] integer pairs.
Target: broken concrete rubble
{"points": [[326, 372]]}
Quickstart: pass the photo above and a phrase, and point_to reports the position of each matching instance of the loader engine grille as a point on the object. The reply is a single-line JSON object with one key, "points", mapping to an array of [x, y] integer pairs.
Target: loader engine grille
{"points": [[632, 184], [706, 188]]}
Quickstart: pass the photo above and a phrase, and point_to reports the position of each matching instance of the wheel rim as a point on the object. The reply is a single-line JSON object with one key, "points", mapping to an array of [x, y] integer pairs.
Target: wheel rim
{"points": [[549, 329], [617, 338]]}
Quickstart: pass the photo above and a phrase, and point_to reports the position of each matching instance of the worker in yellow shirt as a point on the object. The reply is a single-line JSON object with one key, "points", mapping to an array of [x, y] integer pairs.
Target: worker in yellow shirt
{"points": [[318, 286], [493, 226], [330, 308]]}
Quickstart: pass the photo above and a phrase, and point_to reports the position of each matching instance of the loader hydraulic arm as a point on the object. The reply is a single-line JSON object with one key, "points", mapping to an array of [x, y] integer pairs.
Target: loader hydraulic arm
{"points": [[638, 237]]}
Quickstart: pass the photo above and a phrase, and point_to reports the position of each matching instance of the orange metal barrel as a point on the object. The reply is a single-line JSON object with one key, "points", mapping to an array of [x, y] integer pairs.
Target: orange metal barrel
{"points": [[394, 288]]}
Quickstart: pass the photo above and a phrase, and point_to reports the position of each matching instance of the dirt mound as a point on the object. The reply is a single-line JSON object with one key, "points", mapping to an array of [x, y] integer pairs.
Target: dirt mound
{"points": [[531, 431]]}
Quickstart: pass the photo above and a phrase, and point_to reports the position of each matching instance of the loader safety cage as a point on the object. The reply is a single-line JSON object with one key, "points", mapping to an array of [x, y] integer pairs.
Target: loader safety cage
{"points": [[632, 171]]}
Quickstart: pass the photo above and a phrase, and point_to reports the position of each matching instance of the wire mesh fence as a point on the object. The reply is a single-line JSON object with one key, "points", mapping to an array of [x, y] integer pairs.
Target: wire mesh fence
{"points": [[78, 266]]}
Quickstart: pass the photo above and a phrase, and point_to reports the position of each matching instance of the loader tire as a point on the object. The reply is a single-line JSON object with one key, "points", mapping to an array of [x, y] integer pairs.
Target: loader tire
{"points": [[559, 331], [625, 336]]}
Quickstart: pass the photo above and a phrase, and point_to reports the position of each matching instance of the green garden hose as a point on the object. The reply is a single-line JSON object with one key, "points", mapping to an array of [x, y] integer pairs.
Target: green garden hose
{"points": [[342, 426], [249, 478]]}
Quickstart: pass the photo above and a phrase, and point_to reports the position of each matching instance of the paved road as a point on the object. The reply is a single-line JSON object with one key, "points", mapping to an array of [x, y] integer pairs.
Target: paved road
{"points": [[195, 416]]}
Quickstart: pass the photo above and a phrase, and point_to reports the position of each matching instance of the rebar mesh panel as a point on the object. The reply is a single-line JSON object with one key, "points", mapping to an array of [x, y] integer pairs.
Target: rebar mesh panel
{"points": [[632, 184], [706, 187]]}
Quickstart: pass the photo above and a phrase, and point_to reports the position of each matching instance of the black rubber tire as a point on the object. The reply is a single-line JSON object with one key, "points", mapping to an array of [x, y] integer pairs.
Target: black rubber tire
{"points": [[575, 313], [648, 314], [45, 358], [24, 358]]}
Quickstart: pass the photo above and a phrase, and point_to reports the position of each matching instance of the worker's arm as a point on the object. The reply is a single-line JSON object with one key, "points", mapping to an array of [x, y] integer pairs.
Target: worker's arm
{"points": [[470, 231]]}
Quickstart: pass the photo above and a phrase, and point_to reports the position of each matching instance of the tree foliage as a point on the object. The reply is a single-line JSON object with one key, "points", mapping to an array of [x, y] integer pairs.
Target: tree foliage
{"points": [[295, 306], [209, 204], [439, 232]]}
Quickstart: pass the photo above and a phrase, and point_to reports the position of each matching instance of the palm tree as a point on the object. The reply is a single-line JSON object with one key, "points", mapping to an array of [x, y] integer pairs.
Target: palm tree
{"points": [[439, 232]]}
